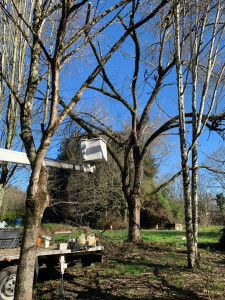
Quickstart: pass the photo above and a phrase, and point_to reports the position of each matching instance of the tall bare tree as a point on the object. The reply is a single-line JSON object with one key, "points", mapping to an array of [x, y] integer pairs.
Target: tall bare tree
{"points": [[135, 146], [161, 62], [13, 65], [203, 76], [71, 35]]}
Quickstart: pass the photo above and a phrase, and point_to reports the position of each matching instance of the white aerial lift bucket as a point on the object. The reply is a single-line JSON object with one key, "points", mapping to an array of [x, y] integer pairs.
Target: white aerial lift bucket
{"points": [[93, 150]]}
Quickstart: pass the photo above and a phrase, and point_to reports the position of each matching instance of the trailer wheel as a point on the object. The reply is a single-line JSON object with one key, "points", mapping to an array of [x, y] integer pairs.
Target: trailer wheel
{"points": [[7, 283]]}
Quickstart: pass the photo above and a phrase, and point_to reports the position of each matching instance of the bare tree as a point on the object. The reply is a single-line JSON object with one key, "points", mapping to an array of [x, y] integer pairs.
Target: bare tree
{"points": [[71, 36], [135, 145], [37, 194], [198, 35], [215, 171], [13, 65], [204, 75], [13, 200]]}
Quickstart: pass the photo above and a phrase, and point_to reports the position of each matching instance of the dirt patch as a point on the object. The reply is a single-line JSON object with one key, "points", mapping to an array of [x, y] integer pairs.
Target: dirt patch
{"points": [[144, 271]]}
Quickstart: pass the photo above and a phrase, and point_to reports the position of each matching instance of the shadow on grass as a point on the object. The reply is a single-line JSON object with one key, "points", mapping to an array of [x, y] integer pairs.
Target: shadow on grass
{"points": [[83, 291], [161, 287], [156, 289], [210, 246], [181, 293], [48, 274], [157, 269]]}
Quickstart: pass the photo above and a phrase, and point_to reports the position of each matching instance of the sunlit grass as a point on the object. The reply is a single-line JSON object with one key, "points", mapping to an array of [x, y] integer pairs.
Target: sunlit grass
{"points": [[210, 234], [168, 236], [207, 234], [131, 269]]}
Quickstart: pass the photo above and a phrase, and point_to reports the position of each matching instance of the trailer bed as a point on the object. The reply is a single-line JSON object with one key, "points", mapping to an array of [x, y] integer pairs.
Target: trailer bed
{"points": [[53, 257], [13, 254]]}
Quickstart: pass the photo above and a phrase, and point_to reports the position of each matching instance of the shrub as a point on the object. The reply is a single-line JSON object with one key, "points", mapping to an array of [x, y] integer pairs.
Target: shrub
{"points": [[222, 239], [11, 216], [13, 200], [159, 210], [104, 222]]}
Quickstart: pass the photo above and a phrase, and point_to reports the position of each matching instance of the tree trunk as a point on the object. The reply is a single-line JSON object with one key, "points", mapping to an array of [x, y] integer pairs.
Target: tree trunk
{"points": [[183, 147], [134, 211], [132, 177], [3, 181], [134, 206], [194, 196], [188, 216], [2, 191], [35, 206]]}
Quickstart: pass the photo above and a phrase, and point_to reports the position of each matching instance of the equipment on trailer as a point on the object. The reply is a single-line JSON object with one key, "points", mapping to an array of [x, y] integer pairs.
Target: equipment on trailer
{"points": [[58, 255]]}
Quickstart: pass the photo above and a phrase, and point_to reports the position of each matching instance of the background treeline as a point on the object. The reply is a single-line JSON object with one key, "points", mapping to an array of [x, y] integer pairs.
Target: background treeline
{"points": [[97, 200]]}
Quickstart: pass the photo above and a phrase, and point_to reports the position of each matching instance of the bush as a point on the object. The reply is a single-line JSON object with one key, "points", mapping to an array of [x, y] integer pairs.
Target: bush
{"points": [[222, 239], [159, 210], [104, 222], [48, 229], [11, 216], [13, 200]]}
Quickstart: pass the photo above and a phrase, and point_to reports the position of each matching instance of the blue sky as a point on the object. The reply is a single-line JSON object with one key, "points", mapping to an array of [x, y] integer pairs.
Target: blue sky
{"points": [[120, 69]]}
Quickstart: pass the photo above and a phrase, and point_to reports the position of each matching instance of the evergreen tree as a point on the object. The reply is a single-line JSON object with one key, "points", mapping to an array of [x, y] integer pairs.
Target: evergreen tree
{"points": [[220, 201]]}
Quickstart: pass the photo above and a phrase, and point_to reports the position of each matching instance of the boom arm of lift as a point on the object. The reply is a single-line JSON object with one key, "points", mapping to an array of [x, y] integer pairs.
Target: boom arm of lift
{"points": [[16, 157]]}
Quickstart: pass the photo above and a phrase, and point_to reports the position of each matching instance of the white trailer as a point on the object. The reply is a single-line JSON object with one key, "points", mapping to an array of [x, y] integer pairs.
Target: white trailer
{"points": [[50, 257]]}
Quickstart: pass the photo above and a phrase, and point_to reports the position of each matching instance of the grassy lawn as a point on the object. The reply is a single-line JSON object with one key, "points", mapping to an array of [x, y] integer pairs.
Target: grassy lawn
{"points": [[207, 234], [154, 269], [210, 234]]}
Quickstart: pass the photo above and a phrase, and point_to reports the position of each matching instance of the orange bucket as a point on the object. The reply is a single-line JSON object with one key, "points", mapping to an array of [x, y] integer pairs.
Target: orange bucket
{"points": [[39, 242]]}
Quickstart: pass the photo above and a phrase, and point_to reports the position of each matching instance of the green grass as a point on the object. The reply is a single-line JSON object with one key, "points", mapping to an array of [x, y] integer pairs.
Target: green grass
{"points": [[131, 269], [116, 235], [210, 234], [168, 236]]}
